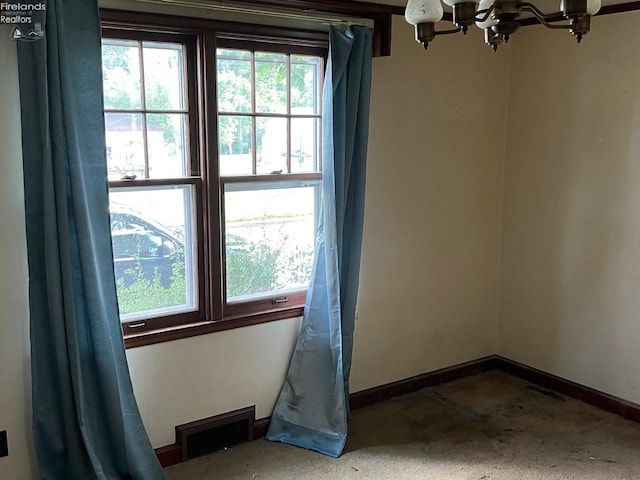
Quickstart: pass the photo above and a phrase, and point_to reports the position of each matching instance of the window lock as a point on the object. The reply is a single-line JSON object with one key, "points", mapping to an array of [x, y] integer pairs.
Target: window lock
{"points": [[137, 325]]}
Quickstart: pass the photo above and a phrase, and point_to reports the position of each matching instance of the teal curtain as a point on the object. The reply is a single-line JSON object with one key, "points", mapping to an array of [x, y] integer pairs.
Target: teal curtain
{"points": [[85, 418], [312, 410]]}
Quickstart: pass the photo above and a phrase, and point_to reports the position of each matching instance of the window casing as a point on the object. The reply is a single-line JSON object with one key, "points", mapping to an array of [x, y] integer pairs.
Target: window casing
{"points": [[214, 175]]}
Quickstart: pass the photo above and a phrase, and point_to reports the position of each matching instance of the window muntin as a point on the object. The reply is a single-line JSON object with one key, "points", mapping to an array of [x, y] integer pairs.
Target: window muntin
{"points": [[268, 112], [146, 117], [153, 225], [265, 140], [185, 183]]}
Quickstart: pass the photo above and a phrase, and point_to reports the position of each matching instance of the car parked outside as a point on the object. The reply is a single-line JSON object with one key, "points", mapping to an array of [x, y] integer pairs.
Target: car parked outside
{"points": [[142, 248]]}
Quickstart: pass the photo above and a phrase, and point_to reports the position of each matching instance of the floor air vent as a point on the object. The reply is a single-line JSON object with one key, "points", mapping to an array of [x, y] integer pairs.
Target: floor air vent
{"points": [[215, 433]]}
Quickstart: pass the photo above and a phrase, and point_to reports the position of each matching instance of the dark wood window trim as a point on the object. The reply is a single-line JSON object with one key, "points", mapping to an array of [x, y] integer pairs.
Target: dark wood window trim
{"points": [[202, 328], [380, 14], [202, 36]]}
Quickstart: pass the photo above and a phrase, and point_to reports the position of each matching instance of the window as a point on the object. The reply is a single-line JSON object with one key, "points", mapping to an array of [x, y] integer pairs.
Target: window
{"points": [[269, 157], [213, 158]]}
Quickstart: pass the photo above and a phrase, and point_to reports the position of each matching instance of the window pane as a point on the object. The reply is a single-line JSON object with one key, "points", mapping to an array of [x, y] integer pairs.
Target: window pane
{"points": [[271, 145], [125, 145], [305, 85], [305, 142], [234, 143], [163, 76], [121, 74], [269, 238], [233, 54], [234, 81], [271, 83], [154, 260], [167, 145]]}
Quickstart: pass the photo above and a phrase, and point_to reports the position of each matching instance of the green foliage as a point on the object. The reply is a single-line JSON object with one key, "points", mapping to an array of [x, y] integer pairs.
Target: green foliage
{"points": [[122, 88], [235, 135], [257, 267], [158, 99], [113, 57], [263, 266], [234, 95], [252, 270], [148, 294], [295, 268], [271, 86]]}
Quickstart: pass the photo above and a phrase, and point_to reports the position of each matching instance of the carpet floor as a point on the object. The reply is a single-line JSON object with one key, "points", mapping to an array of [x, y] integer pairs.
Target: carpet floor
{"points": [[486, 427]]}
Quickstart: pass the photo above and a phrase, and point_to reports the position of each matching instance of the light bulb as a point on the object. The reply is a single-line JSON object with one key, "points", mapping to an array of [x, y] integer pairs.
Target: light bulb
{"points": [[592, 6], [423, 11]]}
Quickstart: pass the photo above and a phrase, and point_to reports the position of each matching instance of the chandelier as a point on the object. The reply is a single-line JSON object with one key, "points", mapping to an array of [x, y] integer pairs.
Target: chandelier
{"points": [[498, 18]]}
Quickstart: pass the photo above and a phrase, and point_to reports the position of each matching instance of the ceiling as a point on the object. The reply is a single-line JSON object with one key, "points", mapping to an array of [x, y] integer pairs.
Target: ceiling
{"points": [[400, 3], [545, 5]]}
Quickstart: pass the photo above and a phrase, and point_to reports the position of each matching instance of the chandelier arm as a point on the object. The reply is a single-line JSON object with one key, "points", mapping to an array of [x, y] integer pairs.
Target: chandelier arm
{"points": [[539, 13], [446, 32], [484, 14], [544, 17], [563, 26]]}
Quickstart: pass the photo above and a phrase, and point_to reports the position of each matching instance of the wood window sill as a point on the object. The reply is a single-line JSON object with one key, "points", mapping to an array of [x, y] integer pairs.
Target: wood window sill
{"points": [[152, 337]]}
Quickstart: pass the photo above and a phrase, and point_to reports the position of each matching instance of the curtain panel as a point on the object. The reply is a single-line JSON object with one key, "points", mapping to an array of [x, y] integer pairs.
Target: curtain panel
{"points": [[85, 418], [312, 410]]}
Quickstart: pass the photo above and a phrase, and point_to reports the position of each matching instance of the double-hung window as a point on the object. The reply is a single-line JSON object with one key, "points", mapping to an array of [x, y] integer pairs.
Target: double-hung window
{"points": [[269, 164], [213, 158]]}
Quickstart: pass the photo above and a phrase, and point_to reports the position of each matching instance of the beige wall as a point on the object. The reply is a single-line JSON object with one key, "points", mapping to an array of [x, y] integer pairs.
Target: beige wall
{"points": [[15, 381], [429, 276], [429, 288], [428, 296], [185, 380], [429, 273], [570, 283], [428, 293]]}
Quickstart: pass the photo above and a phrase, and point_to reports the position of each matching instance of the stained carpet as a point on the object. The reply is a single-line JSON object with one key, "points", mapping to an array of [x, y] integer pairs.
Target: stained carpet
{"points": [[487, 427]]}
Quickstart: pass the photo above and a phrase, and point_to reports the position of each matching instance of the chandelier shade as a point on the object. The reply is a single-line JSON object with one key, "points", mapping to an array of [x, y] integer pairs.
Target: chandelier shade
{"points": [[489, 21], [422, 11], [498, 18]]}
